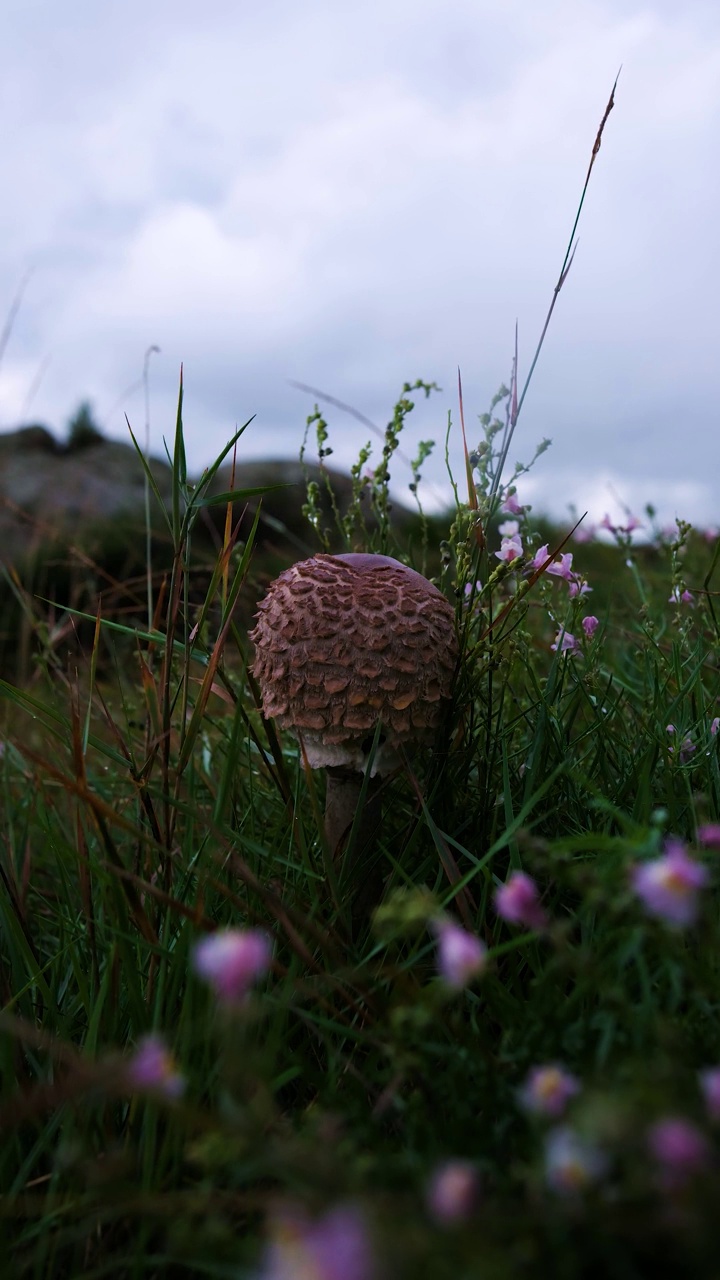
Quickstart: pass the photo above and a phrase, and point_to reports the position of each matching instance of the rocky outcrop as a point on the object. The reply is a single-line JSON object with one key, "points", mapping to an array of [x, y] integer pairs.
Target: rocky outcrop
{"points": [[55, 498]]}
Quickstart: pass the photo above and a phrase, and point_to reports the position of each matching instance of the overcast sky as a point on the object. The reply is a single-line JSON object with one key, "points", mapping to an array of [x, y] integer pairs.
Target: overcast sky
{"points": [[353, 196]]}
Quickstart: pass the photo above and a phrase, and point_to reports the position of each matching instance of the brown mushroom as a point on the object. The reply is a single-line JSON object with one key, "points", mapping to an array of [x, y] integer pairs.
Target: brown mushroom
{"points": [[342, 642]]}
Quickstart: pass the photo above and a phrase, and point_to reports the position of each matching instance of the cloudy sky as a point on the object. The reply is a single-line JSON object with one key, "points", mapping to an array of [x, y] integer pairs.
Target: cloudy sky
{"points": [[353, 196]]}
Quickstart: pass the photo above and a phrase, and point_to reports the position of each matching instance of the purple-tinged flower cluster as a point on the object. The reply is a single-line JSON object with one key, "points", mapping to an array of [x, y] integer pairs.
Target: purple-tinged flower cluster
{"points": [[231, 960], [510, 548], [680, 1150], [572, 1162], [565, 642], [710, 1089], [562, 568], [152, 1069], [547, 1090], [518, 902], [686, 747], [623, 529], [334, 1246], [461, 956], [669, 886], [512, 505], [453, 1191], [681, 597], [709, 835]]}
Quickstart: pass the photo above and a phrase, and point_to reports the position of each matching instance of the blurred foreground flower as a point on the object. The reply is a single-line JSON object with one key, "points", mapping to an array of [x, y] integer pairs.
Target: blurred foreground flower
{"points": [[547, 1090], [709, 835], [710, 1087], [453, 1191], [668, 886], [572, 1163], [152, 1068], [680, 1150], [335, 1246], [518, 902], [231, 960], [461, 956]]}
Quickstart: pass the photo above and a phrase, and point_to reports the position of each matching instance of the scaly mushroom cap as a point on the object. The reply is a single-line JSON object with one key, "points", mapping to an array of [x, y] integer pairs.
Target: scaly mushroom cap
{"points": [[344, 641]]}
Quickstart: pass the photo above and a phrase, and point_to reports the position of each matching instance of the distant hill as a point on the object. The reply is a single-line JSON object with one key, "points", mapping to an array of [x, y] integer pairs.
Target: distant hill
{"points": [[81, 494]]}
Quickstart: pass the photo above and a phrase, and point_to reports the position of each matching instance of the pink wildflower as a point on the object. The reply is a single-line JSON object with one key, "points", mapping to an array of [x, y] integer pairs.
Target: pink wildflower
{"points": [[510, 549], [540, 556], [509, 529], [452, 1191], [585, 533], [572, 1163], [547, 1090], [680, 1150], [578, 586], [461, 956], [710, 1087], [715, 726], [231, 960], [518, 902], [709, 835], [681, 597], [512, 505], [590, 625], [668, 886], [565, 642], [562, 568], [152, 1068], [335, 1246]]}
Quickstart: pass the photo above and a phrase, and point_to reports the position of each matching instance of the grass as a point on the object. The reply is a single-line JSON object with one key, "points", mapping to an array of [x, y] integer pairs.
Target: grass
{"points": [[146, 803]]}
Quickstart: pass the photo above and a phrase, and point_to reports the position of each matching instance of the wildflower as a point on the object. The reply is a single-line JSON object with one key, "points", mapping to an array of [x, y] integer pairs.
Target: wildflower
{"points": [[461, 956], [590, 625], [562, 568], [710, 1088], [152, 1068], [572, 1163], [547, 1090], [472, 589], [632, 524], [509, 529], [714, 726], [512, 505], [578, 586], [518, 902], [565, 642], [668, 886], [335, 1246], [231, 960], [585, 534], [681, 597], [709, 835], [452, 1192], [510, 549], [686, 748], [540, 556], [680, 1150]]}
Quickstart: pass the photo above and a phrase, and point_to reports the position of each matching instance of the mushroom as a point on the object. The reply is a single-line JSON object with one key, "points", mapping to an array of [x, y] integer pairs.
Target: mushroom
{"points": [[341, 643]]}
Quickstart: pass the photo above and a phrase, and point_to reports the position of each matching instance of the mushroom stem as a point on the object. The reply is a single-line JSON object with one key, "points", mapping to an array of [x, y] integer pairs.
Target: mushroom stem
{"points": [[342, 801]]}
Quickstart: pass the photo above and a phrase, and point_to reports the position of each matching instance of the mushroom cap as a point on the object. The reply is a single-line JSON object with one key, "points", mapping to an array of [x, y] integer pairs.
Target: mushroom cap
{"points": [[344, 641]]}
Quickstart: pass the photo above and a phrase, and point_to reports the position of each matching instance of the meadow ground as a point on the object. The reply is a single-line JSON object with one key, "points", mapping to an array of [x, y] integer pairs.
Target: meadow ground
{"points": [[509, 1064]]}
